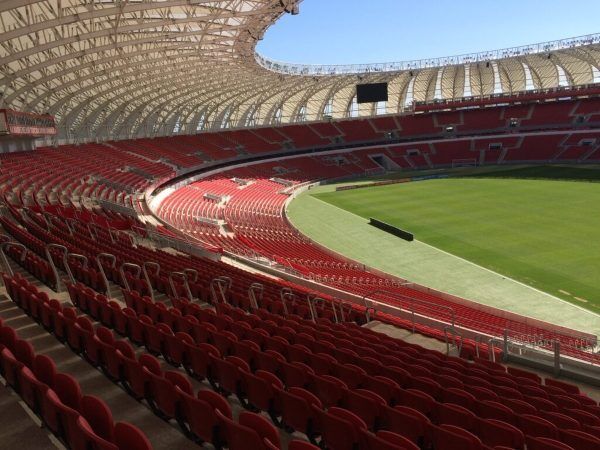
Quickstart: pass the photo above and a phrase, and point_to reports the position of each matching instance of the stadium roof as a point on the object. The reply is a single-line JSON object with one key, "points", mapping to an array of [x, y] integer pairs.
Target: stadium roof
{"points": [[113, 69]]}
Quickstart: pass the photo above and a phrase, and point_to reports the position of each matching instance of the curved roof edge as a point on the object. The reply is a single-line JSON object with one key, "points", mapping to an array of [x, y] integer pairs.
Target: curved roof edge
{"points": [[288, 68]]}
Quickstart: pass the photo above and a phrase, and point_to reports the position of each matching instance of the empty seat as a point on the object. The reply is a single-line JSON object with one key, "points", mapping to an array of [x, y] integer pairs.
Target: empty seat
{"points": [[407, 422], [130, 437], [198, 416], [340, 428], [250, 432], [449, 437], [537, 426], [580, 440], [386, 440], [497, 433], [298, 408], [544, 443]]}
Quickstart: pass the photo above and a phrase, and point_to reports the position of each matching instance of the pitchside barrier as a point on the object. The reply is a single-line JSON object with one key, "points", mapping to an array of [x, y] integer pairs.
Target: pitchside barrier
{"points": [[391, 229]]}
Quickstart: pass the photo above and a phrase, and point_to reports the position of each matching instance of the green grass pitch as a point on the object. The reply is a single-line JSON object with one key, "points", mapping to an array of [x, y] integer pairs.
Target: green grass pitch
{"points": [[544, 233]]}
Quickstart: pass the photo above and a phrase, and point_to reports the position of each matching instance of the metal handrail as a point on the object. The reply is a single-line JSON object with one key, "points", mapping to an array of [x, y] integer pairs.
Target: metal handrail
{"points": [[492, 354], [185, 284], [193, 272], [147, 277], [454, 334], [65, 251], [69, 224], [113, 260], [411, 300], [137, 268], [285, 294], [335, 69], [5, 245], [224, 283], [76, 256], [252, 291], [93, 234], [313, 298], [350, 307]]}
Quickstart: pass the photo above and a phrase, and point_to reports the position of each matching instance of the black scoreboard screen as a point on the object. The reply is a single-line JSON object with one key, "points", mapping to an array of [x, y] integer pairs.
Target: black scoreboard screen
{"points": [[371, 92]]}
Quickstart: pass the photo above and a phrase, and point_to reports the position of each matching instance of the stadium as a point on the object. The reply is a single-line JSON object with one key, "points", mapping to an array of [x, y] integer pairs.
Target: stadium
{"points": [[204, 247]]}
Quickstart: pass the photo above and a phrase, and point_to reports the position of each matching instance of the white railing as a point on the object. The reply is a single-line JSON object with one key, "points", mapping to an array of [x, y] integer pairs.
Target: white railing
{"points": [[335, 69]]}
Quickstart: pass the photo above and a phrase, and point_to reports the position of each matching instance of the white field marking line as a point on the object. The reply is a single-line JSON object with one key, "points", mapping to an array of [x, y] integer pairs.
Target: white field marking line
{"points": [[477, 265], [512, 279]]}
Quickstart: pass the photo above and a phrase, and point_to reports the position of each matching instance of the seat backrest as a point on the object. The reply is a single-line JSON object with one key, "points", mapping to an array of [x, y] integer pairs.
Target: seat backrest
{"points": [[68, 390], [537, 427], [98, 415], [449, 437], [215, 400], [24, 352], [239, 437], [301, 445], [130, 437], [543, 443], [44, 369], [397, 440], [262, 426], [580, 440], [497, 433]]}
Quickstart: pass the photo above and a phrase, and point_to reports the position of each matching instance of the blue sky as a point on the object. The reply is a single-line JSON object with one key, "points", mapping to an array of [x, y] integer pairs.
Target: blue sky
{"points": [[362, 31]]}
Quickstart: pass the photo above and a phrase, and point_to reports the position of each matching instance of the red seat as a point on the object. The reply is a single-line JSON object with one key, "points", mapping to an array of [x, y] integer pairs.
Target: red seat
{"points": [[246, 350], [297, 410], [261, 391], [544, 443], [497, 433], [386, 440], [301, 445], [407, 422], [329, 389], [458, 397], [561, 421], [24, 352], [130, 437], [488, 409], [269, 360], [449, 437], [583, 417], [228, 376], [32, 390], [161, 392], [580, 440], [87, 438], [44, 369], [68, 390], [418, 400], [239, 436], [115, 357], [198, 417], [100, 343], [519, 406], [388, 389], [136, 377], [537, 427], [99, 416], [11, 368], [340, 428], [450, 414], [365, 404], [200, 359], [296, 374]]}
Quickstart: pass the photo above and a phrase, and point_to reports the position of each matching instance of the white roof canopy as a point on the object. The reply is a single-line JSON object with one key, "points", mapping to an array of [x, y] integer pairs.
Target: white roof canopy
{"points": [[113, 69]]}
